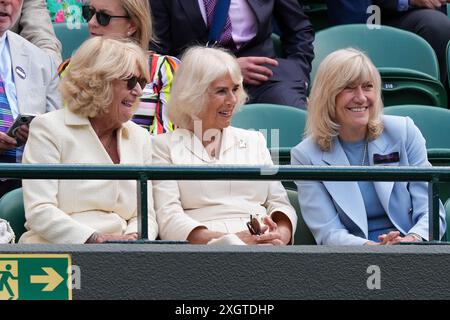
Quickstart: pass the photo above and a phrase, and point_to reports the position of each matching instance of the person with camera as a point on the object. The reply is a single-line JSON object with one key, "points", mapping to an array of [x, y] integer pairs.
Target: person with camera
{"points": [[28, 85]]}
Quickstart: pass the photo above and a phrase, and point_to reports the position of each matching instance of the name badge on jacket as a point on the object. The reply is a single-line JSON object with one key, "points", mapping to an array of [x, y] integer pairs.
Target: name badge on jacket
{"points": [[386, 158]]}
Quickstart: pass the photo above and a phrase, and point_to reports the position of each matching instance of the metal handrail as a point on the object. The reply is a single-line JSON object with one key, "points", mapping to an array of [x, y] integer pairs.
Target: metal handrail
{"points": [[432, 175]]}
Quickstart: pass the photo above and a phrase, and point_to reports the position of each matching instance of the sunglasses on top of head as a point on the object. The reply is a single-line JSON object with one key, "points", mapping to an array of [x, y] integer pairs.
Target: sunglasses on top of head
{"points": [[131, 82], [103, 18]]}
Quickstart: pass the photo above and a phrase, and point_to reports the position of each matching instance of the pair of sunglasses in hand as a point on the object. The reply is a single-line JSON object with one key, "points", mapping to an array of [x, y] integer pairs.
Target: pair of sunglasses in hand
{"points": [[254, 225]]}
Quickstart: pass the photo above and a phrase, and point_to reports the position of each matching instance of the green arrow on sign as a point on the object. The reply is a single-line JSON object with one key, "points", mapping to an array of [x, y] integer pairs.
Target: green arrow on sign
{"points": [[52, 279]]}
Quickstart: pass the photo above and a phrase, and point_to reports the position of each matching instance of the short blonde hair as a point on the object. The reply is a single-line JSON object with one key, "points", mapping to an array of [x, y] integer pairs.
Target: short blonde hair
{"points": [[87, 86], [199, 68], [139, 11], [338, 70]]}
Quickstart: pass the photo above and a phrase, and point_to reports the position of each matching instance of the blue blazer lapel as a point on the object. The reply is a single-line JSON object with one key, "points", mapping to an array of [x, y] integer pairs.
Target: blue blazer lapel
{"points": [[348, 198], [383, 147]]}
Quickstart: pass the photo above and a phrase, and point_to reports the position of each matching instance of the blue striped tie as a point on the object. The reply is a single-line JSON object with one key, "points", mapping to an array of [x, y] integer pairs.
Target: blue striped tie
{"points": [[226, 39], [6, 120]]}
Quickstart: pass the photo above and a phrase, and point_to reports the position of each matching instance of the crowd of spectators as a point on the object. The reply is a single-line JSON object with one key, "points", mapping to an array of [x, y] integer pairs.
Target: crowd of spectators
{"points": [[158, 82]]}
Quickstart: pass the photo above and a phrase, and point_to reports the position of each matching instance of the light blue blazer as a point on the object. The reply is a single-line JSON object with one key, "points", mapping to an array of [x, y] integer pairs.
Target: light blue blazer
{"points": [[335, 211]]}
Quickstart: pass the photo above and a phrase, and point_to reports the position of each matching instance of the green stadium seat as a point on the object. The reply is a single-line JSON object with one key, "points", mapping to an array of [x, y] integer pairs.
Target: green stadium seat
{"points": [[287, 122], [434, 123], [70, 39], [409, 69], [12, 210], [303, 235]]}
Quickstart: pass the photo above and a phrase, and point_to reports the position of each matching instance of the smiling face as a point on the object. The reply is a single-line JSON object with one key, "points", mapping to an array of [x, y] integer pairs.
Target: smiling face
{"points": [[119, 27], [9, 13], [220, 103], [354, 105], [125, 102]]}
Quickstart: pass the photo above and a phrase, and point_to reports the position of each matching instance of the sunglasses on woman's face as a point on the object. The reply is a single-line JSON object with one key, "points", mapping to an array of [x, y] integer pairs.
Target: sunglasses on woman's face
{"points": [[131, 82], [103, 18]]}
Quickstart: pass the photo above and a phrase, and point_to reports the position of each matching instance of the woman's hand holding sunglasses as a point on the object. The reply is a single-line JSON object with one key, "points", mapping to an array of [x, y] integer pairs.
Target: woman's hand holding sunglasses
{"points": [[272, 233]]}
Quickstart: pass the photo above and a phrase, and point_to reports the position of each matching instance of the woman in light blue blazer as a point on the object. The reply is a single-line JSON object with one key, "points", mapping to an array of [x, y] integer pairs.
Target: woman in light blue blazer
{"points": [[346, 127]]}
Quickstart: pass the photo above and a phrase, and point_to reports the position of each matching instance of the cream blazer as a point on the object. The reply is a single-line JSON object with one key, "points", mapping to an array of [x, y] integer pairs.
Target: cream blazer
{"points": [[222, 206], [69, 211]]}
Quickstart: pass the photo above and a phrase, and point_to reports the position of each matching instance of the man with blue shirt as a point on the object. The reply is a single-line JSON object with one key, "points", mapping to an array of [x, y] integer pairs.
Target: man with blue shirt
{"points": [[426, 18], [28, 85]]}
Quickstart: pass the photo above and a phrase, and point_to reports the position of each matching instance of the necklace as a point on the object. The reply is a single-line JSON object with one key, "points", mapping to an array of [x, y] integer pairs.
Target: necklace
{"points": [[110, 140], [364, 153]]}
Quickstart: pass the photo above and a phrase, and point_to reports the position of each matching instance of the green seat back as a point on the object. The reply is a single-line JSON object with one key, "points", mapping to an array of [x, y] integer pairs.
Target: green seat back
{"points": [[283, 127], [398, 90], [12, 210], [70, 39], [406, 49], [302, 235], [409, 69], [434, 123], [273, 120]]}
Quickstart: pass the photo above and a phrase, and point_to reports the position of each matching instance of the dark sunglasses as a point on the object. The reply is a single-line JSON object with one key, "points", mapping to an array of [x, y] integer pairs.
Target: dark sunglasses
{"points": [[131, 82], [254, 226], [103, 19]]}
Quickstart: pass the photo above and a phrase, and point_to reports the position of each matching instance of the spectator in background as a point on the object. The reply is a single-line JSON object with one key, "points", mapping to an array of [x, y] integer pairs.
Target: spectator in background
{"points": [[423, 17], [28, 84], [35, 25], [345, 126], [65, 11], [207, 91], [132, 19], [247, 33], [101, 90]]}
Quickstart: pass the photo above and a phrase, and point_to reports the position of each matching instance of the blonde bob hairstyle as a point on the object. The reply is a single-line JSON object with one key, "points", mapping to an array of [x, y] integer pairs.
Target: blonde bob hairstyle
{"points": [[199, 68], [87, 86], [337, 71], [139, 11]]}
